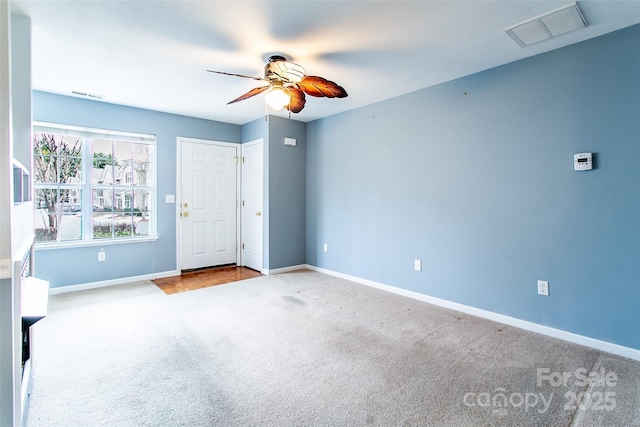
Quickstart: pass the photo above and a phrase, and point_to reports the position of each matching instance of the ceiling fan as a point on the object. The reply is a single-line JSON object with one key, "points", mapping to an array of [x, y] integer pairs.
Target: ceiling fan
{"points": [[288, 85]]}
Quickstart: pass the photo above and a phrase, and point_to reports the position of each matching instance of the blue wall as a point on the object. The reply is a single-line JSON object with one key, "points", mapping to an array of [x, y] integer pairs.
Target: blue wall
{"points": [[287, 198], [481, 188], [79, 265]]}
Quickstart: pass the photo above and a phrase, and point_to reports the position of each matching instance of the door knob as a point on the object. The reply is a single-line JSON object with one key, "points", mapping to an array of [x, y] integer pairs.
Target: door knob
{"points": [[258, 213], [185, 205], [185, 214]]}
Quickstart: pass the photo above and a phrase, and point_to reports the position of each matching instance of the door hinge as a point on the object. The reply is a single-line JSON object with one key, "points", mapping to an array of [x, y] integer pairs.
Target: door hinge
{"points": [[243, 203], [242, 159], [243, 246]]}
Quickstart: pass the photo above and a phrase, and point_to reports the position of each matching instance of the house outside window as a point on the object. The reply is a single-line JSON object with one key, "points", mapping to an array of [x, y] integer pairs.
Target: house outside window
{"points": [[92, 185]]}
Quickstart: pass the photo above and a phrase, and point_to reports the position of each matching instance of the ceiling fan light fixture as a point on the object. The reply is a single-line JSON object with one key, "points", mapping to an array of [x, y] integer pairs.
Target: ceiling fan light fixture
{"points": [[277, 97]]}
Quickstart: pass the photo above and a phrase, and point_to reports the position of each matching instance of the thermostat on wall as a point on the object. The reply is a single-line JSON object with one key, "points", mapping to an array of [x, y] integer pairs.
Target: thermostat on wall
{"points": [[582, 161]]}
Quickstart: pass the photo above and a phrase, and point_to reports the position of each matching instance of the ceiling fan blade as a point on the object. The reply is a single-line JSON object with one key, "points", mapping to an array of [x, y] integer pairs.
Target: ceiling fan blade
{"points": [[296, 100], [319, 87], [252, 92], [237, 75]]}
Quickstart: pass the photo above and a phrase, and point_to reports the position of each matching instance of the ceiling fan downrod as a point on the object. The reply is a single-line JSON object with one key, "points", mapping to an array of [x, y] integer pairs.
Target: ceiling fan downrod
{"points": [[275, 58]]}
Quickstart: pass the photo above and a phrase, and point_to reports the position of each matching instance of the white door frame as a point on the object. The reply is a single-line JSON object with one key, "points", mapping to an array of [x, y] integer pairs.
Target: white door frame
{"points": [[179, 142]]}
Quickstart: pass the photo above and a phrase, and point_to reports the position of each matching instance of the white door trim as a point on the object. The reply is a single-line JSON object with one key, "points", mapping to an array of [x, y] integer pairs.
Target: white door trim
{"points": [[179, 141]]}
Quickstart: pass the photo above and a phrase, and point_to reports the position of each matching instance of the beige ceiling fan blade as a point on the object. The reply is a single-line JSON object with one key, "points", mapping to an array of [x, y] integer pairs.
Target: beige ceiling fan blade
{"points": [[238, 75]]}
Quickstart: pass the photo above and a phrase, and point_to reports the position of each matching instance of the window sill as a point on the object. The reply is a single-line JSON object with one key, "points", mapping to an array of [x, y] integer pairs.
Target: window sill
{"points": [[42, 246]]}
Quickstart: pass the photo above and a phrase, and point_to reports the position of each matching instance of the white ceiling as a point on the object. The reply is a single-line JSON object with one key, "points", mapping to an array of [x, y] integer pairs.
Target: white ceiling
{"points": [[153, 54]]}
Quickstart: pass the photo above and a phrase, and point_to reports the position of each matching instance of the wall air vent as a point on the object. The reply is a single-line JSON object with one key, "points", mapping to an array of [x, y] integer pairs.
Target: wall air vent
{"points": [[88, 95], [547, 26]]}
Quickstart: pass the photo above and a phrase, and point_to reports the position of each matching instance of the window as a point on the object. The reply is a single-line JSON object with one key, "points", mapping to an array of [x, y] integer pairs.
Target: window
{"points": [[92, 184]]}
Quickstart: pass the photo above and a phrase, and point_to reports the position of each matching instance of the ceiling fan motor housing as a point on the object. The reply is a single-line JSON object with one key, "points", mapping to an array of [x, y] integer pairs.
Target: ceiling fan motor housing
{"points": [[279, 69]]}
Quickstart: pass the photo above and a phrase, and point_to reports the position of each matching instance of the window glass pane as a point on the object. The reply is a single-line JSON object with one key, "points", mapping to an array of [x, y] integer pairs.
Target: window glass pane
{"points": [[45, 216], [69, 170], [122, 150], [102, 225], [142, 201], [98, 200], [141, 164], [44, 233], [141, 214], [57, 158], [102, 172], [70, 227], [45, 169], [122, 199], [102, 213], [102, 200], [123, 162], [123, 224], [75, 199], [69, 200], [58, 214], [46, 199]]}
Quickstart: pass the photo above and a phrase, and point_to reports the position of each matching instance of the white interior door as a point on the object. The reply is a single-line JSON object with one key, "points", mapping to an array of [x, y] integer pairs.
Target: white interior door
{"points": [[252, 204], [208, 204]]}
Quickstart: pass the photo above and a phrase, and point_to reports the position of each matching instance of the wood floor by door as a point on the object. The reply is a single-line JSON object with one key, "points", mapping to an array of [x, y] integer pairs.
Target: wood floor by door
{"points": [[204, 278]]}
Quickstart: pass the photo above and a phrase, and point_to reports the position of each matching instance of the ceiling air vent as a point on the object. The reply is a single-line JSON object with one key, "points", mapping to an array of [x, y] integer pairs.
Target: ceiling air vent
{"points": [[547, 26]]}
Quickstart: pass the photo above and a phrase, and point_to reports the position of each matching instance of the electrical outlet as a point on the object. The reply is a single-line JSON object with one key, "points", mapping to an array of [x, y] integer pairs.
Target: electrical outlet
{"points": [[417, 265], [543, 287], [102, 256], [325, 248]]}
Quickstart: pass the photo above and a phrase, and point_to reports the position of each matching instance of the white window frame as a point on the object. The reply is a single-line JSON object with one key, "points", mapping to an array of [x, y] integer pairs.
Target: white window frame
{"points": [[88, 133]]}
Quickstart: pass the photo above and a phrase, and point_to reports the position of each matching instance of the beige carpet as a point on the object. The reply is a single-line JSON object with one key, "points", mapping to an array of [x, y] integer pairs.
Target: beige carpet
{"points": [[306, 349]]}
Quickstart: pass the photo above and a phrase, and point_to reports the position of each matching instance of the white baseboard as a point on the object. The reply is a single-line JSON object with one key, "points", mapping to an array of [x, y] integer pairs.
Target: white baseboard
{"points": [[605, 346], [112, 282], [284, 269]]}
